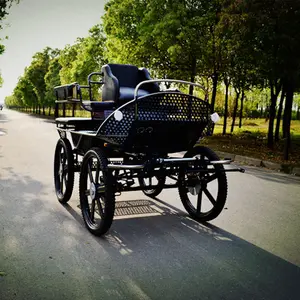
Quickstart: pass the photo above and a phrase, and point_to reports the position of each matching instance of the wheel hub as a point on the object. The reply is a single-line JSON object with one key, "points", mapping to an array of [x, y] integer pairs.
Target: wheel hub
{"points": [[194, 185], [93, 191], [194, 190]]}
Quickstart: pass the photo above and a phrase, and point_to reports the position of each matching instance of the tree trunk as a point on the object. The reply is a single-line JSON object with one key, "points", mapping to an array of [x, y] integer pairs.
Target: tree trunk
{"points": [[49, 113], [235, 110], [193, 74], [279, 113], [241, 110], [272, 114], [298, 112], [226, 106], [275, 90], [214, 91], [44, 112], [287, 117]]}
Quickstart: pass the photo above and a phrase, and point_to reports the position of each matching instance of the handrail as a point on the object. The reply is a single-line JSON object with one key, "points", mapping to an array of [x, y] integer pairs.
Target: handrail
{"points": [[95, 82], [164, 80]]}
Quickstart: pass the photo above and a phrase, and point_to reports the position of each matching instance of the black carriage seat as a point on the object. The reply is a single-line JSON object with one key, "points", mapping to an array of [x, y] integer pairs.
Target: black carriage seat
{"points": [[69, 92], [120, 81], [98, 106]]}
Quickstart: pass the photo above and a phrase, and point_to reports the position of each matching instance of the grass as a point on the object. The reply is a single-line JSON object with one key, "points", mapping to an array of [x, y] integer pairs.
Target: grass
{"points": [[251, 140]]}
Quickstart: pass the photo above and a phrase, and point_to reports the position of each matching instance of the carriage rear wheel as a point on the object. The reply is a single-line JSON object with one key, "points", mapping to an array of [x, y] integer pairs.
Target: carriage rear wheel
{"points": [[157, 181], [209, 190], [96, 192], [63, 170]]}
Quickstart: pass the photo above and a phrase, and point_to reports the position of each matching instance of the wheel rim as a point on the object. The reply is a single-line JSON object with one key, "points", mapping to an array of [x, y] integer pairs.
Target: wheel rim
{"points": [[62, 171], [93, 199], [204, 186]]}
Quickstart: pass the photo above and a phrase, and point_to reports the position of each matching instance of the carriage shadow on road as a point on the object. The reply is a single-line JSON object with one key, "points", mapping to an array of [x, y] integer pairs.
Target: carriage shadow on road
{"points": [[191, 260]]}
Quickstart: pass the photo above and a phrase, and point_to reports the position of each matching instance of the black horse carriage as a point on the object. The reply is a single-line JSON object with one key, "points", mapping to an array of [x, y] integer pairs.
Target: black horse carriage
{"points": [[132, 141]]}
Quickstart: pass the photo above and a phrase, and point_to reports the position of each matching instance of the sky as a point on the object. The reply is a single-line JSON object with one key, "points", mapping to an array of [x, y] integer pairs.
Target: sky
{"points": [[35, 24]]}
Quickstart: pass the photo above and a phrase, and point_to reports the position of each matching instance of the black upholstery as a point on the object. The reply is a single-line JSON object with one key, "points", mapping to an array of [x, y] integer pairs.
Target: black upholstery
{"points": [[120, 82], [98, 106]]}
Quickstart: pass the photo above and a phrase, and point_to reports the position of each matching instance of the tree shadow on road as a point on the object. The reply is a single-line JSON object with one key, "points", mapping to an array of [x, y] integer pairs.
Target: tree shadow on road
{"points": [[29, 235], [170, 256], [157, 253]]}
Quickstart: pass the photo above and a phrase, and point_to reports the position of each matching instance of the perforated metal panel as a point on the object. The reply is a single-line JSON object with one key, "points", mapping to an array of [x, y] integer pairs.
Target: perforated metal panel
{"points": [[171, 107], [168, 110], [116, 131]]}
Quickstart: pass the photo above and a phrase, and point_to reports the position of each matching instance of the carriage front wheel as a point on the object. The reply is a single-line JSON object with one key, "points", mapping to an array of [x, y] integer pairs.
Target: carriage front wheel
{"points": [[203, 194], [96, 192], [63, 170]]}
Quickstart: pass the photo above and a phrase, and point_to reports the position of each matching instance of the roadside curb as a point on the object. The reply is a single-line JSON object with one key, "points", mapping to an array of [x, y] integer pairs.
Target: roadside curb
{"points": [[250, 161]]}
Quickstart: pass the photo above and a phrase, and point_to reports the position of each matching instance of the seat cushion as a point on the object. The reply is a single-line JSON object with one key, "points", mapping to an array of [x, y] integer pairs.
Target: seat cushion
{"points": [[98, 106], [127, 94]]}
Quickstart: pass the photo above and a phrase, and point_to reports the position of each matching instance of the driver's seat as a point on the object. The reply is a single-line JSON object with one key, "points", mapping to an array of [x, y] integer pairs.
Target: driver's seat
{"points": [[121, 80]]}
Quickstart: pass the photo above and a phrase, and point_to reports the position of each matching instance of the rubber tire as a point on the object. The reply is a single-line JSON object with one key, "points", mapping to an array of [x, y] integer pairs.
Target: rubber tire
{"points": [[64, 198], [109, 197], [155, 192], [222, 185]]}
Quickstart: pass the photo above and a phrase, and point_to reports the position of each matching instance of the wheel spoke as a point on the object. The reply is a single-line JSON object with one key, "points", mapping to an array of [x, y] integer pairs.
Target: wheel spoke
{"points": [[210, 197], [62, 183], [64, 178], [92, 212], [211, 178], [61, 160], [97, 172], [199, 202], [100, 209], [63, 157], [90, 173]]}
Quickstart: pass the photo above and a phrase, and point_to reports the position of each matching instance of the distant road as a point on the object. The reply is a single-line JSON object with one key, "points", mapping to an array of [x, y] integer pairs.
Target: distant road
{"points": [[251, 251]]}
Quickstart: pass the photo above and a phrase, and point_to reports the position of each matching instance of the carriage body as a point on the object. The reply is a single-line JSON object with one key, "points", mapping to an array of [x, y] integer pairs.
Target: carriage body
{"points": [[124, 143]]}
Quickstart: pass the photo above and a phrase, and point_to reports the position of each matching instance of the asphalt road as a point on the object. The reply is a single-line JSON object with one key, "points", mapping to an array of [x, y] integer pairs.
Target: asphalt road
{"points": [[251, 251]]}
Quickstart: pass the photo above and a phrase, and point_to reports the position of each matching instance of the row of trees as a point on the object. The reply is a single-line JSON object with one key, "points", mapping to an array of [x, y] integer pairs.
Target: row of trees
{"points": [[234, 48], [53, 67]]}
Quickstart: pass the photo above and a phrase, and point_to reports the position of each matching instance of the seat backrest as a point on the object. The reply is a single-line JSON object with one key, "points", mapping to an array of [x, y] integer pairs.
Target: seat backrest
{"points": [[118, 76], [127, 75]]}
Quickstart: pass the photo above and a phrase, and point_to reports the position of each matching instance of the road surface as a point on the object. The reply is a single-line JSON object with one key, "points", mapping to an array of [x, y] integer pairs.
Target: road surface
{"points": [[251, 251]]}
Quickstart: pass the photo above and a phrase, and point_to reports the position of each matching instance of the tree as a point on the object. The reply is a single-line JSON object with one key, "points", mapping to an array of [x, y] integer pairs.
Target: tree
{"points": [[52, 79], [266, 31], [67, 57], [11, 101], [89, 57], [24, 92], [36, 73], [175, 39]]}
